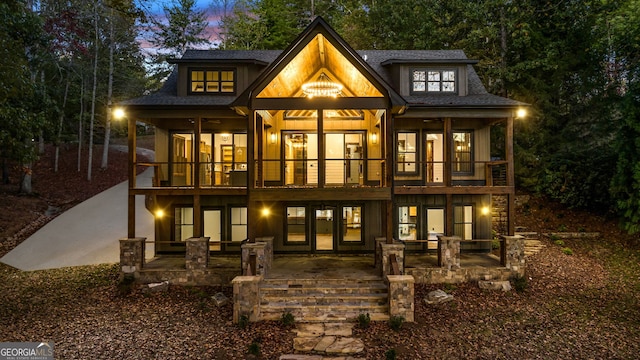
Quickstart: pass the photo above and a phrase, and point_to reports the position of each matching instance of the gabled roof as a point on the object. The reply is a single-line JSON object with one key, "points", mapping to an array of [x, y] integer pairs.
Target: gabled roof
{"points": [[376, 65]]}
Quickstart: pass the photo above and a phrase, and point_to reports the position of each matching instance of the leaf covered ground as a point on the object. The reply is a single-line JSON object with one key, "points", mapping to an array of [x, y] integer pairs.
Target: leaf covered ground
{"points": [[580, 306]]}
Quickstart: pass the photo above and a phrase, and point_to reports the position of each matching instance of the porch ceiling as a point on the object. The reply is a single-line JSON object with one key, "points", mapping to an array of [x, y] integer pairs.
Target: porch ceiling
{"points": [[319, 57]]}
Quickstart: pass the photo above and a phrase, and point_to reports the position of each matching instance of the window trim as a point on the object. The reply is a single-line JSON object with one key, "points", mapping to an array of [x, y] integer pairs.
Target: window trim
{"points": [[417, 223], [464, 223], [471, 152], [342, 224], [285, 237], [456, 83], [416, 153], [204, 81]]}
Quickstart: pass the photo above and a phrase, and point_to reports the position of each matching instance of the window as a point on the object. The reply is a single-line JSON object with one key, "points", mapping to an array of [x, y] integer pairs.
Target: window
{"points": [[429, 80], [352, 223], [462, 153], [407, 222], [238, 223], [296, 224], [406, 152], [463, 221], [183, 223], [212, 81]]}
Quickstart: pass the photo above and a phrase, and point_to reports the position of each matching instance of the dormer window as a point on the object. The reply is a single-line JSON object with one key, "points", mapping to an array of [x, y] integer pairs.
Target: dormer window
{"points": [[212, 81], [433, 81]]}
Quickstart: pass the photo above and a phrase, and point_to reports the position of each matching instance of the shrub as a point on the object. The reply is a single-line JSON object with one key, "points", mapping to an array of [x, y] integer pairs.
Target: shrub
{"points": [[254, 348], [243, 322], [395, 322], [554, 237], [364, 320], [126, 285], [520, 283], [390, 354], [567, 251], [495, 244], [287, 319], [559, 242], [562, 228]]}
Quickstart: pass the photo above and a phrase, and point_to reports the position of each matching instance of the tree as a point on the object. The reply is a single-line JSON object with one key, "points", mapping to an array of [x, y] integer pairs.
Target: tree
{"points": [[184, 27], [23, 103]]}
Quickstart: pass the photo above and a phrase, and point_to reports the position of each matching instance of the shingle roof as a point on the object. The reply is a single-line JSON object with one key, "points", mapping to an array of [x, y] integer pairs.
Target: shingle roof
{"points": [[477, 94]]}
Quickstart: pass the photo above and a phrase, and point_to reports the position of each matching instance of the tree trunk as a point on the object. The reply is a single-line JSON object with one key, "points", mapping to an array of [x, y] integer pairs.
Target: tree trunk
{"points": [[81, 124], [107, 125], [93, 95], [59, 135]]}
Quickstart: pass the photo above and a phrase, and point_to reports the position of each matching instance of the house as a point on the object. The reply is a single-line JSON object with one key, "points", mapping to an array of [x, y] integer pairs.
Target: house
{"points": [[322, 149]]}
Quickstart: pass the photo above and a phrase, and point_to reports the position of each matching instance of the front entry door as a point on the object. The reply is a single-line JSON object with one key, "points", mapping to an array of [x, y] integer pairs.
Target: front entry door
{"points": [[324, 233]]}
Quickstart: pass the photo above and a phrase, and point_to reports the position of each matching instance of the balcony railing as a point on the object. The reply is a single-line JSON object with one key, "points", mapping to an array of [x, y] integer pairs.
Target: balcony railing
{"points": [[335, 172], [463, 173]]}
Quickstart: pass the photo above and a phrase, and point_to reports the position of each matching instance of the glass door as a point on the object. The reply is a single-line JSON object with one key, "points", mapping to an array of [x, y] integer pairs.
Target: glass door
{"points": [[213, 228], [324, 234]]}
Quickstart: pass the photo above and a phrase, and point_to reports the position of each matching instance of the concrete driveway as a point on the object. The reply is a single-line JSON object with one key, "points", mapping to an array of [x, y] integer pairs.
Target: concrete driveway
{"points": [[86, 234]]}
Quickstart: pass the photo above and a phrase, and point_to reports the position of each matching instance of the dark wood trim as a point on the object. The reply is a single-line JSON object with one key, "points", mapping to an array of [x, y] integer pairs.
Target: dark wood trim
{"points": [[198, 229], [448, 226], [321, 150], [252, 210], [131, 206], [318, 194], [171, 191], [456, 190], [448, 136], [319, 103]]}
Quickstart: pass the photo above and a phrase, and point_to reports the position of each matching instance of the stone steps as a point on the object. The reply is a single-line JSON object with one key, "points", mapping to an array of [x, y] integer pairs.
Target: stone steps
{"points": [[323, 300], [324, 341], [532, 244]]}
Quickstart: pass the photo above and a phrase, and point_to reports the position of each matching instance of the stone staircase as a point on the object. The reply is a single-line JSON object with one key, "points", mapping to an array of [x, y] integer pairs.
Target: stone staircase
{"points": [[532, 243], [324, 300]]}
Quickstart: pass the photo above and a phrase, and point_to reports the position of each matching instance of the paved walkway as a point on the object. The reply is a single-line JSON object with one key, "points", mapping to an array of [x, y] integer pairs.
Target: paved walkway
{"points": [[86, 234]]}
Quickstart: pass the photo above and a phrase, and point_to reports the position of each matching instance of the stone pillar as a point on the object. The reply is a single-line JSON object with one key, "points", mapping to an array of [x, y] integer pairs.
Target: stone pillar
{"points": [[401, 296], [197, 256], [268, 252], [449, 252], [263, 252], [398, 251], [132, 255], [378, 254], [246, 298], [513, 254]]}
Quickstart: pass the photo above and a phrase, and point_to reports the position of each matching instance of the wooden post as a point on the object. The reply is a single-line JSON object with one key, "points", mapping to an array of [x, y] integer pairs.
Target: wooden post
{"points": [[321, 155], [448, 149], [389, 148], [252, 210], [510, 178], [131, 204]]}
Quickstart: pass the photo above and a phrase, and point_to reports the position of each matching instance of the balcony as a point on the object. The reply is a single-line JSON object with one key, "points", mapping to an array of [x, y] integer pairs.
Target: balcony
{"points": [[433, 174]]}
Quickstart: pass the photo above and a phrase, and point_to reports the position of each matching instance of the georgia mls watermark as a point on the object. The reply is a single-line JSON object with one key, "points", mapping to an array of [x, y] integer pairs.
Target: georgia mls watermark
{"points": [[26, 351]]}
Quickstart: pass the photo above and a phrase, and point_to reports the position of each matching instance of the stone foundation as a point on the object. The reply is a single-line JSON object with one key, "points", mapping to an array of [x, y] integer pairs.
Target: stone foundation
{"points": [[462, 275], [395, 249], [197, 255], [262, 249], [401, 296], [132, 255], [449, 252], [514, 257], [246, 298]]}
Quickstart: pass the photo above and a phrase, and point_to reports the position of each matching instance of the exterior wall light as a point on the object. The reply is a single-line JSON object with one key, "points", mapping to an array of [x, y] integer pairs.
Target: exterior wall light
{"points": [[118, 113], [485, 210], [159, 213], [521, 113], [265, 212], [273, 137], [374, 138]]}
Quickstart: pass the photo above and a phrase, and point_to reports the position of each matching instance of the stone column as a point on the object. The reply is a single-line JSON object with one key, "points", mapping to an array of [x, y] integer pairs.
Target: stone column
{"points": [[132, 255], [513, 254], [401, 296], [197, 256], [398, 251], [246, 298], [378, 254], [268, 252], [263, 252], [449, 252]]}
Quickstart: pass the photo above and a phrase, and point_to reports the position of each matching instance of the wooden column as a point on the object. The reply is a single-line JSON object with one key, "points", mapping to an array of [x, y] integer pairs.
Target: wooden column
{"points": [[449, 215], [198, 230], [131, 204], [252, 206], [510, 177], [259, 136], [448, 149], [321, 158], [388, 148]]}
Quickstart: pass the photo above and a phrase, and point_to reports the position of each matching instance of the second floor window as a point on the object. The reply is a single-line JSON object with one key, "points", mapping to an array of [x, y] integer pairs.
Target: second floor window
{"points": [[426, 80], [462, 153], [406, 152], [212, 81]]}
